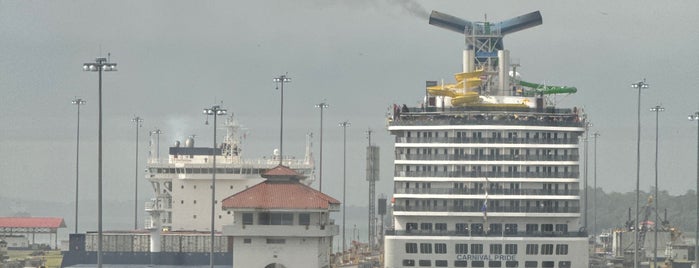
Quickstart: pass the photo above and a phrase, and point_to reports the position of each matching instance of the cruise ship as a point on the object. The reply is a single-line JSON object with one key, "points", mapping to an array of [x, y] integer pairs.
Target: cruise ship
{"points": [[486, 170]]}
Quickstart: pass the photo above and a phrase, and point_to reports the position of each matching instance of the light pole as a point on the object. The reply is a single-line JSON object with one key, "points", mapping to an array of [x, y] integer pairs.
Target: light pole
{"points": [[594, 194], [215, 111], [100, 65], [587, 141], [640, 85], [138, 123], [321, 106], [281, 80], [77, 102], [695, 117], [344, 126], [657, 109]]}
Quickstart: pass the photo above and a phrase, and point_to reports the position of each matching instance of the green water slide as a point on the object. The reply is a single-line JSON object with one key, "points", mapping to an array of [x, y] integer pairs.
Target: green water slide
{"points": [[545, 90]]}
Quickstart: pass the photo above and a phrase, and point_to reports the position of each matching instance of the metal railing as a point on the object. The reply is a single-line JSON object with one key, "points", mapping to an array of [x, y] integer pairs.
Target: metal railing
{"points": [[484, 234], [474, 157], [481, 174], [491, 209], [487, 140], [463, 191]]}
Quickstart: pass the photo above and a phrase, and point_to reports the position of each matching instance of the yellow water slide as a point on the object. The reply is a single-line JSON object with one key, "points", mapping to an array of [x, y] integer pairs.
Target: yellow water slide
{"points": [[458, 91]]}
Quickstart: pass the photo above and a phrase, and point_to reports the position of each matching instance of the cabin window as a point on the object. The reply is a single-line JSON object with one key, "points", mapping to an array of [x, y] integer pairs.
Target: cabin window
{"points": [[547, 249], [411, 248], [495, 249], [476, 248], [510, 249], [562, 249], [460, 264], [532, 249], [440, 248], [530, 264], [425, 248], [461, 249]]}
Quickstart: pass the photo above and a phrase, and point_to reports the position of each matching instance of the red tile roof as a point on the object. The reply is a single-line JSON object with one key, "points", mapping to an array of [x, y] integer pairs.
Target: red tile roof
{"points": [[281, 171], [279, 195], [12, 222]]}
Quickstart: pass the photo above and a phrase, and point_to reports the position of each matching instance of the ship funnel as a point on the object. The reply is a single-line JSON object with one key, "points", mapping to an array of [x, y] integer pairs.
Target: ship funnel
{"points": [[512, 25], [448, 22], [523, 22], [189, 142]]}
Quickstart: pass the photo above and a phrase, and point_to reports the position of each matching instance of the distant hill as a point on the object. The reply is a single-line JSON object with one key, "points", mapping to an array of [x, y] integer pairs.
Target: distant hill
{"points": [[613, 209]]}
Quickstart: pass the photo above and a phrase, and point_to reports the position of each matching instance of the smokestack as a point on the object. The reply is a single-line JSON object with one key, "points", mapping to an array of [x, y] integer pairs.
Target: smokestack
{"points": [[448, 22], [512, 25], [516, 24]]}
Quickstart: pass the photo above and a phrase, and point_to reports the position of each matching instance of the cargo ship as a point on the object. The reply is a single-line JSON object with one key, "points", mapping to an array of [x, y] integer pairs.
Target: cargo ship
{"points": [[177, 231], [486, 169]]}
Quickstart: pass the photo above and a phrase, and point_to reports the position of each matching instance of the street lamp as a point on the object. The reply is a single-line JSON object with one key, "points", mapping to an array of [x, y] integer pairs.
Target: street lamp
{"points": [[281, 80], [587, 141], [640, 85], [100, 65], [321, 106], [77, 102], [215, 111], [695, 117], [138, 123], [594, 193], [344, 126], [657, 109]]}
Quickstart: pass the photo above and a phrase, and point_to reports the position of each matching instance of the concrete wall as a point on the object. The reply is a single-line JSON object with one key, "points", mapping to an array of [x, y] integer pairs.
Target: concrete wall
{"points": [[295, 253]]}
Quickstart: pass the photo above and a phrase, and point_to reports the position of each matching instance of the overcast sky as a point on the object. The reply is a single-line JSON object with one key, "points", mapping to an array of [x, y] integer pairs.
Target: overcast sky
{"points": [[177, 57]]}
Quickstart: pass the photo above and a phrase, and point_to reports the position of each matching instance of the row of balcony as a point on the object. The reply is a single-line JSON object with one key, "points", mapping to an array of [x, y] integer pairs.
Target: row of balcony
{"points": [[471, 140], [487, 174], [484, 234], [475, 157], [491, 209], [463, 191]]}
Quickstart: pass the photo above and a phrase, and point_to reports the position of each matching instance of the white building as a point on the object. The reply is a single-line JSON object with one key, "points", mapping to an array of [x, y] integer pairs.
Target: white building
{"points": [[281, 223]]}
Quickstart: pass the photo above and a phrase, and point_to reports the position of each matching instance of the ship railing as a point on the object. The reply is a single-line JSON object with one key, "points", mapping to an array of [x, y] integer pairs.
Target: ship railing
{"points": [[407, 121], [491, 209], [482, 174], [508, 112], [481, 116], [467, 233], [475, 157], [464, 191], [486, 140], [157, 205]]}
